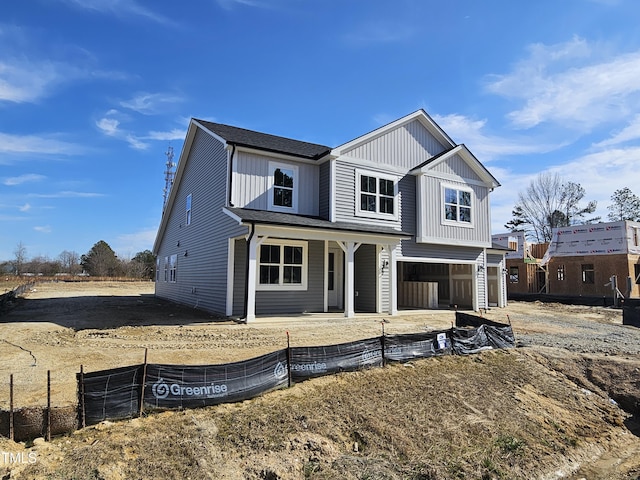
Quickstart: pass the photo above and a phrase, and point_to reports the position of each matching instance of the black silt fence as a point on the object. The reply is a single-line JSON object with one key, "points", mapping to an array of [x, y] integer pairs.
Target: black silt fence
{"points": [[110, 394], [404, 347], [308, 362], [125, 392], [179, 386]]}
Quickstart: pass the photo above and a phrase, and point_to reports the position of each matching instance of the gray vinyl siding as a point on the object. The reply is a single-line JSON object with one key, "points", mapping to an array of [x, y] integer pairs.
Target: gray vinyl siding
{"points": [[366, 273], [251, 180], [346, 194], [324, 198], [384, 283], [274, 302], [202, 246], [239, 277], [404, 147], [447, 253]]}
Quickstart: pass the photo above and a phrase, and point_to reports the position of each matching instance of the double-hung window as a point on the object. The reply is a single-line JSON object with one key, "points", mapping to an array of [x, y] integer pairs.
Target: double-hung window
{"points": [[376, 195], [283, 187], [282, 266], [457, 205]]}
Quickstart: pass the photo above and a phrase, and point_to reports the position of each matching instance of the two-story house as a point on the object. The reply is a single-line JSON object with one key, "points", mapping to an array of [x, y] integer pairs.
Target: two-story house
{"points": [[257, 224]]}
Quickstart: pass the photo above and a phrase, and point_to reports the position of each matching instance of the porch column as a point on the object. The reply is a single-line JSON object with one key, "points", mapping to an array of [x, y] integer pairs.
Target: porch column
{"points": [[349, 249], [251, 279], [393, 280]]}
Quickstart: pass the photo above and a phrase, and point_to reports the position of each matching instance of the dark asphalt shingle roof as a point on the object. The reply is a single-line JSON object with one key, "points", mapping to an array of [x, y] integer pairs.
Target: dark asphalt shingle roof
{"points": [[264, 141], [288, 219]]}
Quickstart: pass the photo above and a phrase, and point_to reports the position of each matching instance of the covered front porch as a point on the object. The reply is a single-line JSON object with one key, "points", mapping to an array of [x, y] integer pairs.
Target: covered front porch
{"points": [[324, 267]]}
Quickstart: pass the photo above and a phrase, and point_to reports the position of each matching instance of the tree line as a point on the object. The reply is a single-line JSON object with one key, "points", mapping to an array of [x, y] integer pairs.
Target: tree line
{"points": [[99, 261], [551, 202]]}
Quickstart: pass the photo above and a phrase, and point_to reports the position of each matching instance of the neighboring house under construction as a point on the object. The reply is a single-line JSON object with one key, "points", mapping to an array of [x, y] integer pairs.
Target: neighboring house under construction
{"points": [[593, 260]]}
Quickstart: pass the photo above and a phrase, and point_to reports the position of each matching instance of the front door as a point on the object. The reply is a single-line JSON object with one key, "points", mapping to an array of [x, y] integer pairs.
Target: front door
{"points": [[335, 281]]}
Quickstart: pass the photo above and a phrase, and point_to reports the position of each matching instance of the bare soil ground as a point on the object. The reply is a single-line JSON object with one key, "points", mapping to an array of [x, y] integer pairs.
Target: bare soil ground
{"points": [[562, 407]]}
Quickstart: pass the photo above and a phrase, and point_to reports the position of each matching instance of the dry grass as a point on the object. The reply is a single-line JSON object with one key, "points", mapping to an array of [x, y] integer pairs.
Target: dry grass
{"points": [[497, 415]]}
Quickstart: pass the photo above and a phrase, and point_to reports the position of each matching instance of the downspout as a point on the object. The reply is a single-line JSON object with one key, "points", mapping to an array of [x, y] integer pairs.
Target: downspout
{"points": [[233, 151], [246, 273]]}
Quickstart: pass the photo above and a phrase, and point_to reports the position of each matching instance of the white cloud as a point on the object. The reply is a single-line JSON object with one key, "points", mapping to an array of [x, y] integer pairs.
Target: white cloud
{"points": [[29, 177], [630, 132], [128, 244], [134, 142], [573, 84], [34, 144], [43, 229], [600, 174], [150, 103], [25, 208], [119, 8], [28, 81], [484, 146], [109, 126], [175, 134], [68, 194], [229, 4]]}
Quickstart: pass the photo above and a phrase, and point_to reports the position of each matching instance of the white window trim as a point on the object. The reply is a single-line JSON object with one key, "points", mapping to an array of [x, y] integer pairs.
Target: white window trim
{"points": [[285, 286], [378, 176], [188, 212], [273, 166], [457, 223], [166, 269], [173, 268]]}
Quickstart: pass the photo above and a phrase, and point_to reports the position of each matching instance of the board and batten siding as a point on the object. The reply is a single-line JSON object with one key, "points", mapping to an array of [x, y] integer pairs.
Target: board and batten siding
{"points": [[202, 246], [250, 183], [405, 147], [324, 198], [282, 302], [436, 231]]}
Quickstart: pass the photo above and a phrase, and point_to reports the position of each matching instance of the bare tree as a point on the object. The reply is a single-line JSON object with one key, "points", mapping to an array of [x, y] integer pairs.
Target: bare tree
{"points": [[20, 257], [547, 203], [70, 262]]}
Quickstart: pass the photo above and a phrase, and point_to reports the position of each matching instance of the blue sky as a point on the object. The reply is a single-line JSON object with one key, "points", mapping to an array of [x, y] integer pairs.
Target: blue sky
{"points": [[92, 92]]}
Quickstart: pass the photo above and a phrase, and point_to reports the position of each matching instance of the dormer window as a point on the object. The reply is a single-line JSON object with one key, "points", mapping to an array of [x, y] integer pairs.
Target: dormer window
{"points": [[283, 193], [376, 195]]}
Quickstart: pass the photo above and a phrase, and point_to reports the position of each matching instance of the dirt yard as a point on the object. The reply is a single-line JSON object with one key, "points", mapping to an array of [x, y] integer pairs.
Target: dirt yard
{"points": [[61, 326]]}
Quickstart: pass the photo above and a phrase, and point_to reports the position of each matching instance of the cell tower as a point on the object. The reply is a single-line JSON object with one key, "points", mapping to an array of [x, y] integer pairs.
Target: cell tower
{"points": [[169, 175]]}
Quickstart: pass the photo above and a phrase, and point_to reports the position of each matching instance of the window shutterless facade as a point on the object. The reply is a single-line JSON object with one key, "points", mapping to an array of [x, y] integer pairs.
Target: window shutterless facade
{"points": [[283, 187], [376, 195], [457, 203], [561, 272], [282, 266]]}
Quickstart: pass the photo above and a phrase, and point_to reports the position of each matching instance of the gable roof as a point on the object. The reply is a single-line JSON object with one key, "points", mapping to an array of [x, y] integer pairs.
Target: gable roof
{"points": [[419, 115], [242, 137], [467, 156]]}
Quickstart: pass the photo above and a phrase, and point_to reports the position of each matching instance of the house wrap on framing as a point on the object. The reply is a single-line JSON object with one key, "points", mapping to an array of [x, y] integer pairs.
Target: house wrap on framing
{"points": [[591, 260]]}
